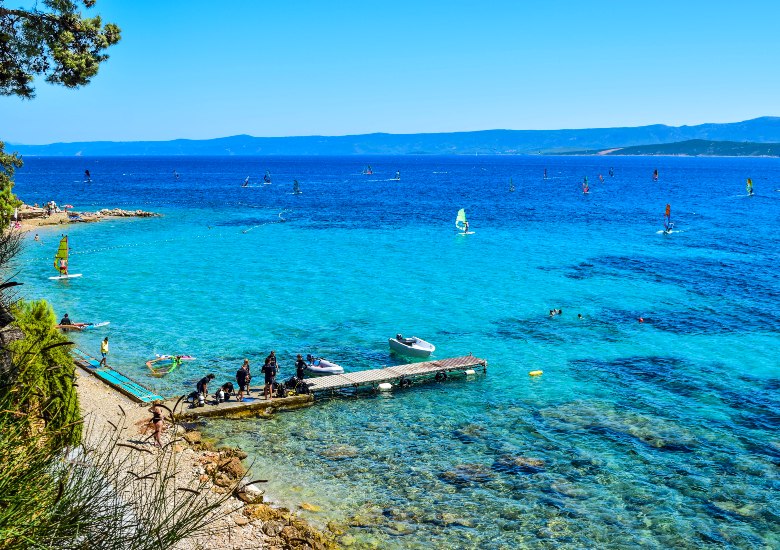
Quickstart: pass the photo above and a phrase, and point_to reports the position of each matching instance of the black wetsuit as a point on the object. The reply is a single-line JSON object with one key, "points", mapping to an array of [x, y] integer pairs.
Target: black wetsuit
{"points": [[269, 369], [300, 368], [241, 378]]}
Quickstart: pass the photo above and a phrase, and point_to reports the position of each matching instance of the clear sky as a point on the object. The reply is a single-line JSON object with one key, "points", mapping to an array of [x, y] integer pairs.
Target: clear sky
{"points": [[202, 69]]}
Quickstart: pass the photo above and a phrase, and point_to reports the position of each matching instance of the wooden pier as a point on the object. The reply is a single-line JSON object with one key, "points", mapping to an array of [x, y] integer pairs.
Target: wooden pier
{"points": [[399, 374]]}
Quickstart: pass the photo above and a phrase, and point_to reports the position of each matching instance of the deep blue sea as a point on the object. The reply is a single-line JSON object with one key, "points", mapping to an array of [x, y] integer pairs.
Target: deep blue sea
{"points": [[658, 434]]}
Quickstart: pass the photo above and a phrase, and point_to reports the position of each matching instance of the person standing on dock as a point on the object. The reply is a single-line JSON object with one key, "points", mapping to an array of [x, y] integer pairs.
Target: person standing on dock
{"points": [[300, 367], [242, 377], [248, 376], [103, 352], [269, 370]]}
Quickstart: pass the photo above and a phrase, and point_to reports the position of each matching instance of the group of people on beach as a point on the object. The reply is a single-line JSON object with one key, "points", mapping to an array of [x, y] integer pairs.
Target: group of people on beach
{"points": [[270, 369]]}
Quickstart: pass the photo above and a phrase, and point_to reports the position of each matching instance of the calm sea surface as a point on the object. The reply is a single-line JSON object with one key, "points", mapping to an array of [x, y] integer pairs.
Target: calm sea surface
{"points": [[657, 434]]}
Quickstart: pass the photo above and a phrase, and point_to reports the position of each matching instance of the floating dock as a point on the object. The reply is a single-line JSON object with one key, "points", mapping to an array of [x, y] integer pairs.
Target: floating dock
{"points": [[115, 379], [400, 375]]}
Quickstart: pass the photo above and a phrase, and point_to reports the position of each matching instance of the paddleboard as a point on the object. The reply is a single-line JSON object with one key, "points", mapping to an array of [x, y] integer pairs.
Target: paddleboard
{"points": [[467, 233], [71, 276], [70, 327], [96, 325]]}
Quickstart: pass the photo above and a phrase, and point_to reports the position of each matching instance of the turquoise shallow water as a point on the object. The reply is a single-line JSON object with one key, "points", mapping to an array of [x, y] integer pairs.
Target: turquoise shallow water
{"points": [[656, 434]]}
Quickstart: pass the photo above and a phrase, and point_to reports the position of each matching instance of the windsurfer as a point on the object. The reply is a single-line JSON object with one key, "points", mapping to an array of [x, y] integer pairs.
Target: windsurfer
{"points": [[63, 267], [668, 222], [466, 227], [87, 176]]}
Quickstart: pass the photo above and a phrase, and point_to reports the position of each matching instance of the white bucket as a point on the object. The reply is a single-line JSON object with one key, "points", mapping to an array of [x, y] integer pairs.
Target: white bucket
{"points": [[385, 386]]}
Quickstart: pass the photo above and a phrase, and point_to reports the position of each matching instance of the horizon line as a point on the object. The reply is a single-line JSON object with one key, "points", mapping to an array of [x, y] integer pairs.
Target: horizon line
{"points": [[14, 144]]}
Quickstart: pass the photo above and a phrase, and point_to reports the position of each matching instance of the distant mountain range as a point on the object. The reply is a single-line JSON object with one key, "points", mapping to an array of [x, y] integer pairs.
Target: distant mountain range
{"points": [[698, 148], [759, 130]]}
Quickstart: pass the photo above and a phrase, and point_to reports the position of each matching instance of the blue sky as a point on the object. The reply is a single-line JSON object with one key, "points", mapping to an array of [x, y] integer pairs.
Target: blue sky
{"points": [[202, 69]]}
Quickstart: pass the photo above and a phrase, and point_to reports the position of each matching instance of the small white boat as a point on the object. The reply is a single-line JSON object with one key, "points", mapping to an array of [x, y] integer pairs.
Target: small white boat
{"points": [[414, 347], [322, 367]]}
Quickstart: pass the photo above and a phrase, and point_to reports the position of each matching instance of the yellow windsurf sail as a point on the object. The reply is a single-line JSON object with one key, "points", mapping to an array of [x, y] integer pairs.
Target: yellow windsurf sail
{"points": [[62, 255], [460, 221]]}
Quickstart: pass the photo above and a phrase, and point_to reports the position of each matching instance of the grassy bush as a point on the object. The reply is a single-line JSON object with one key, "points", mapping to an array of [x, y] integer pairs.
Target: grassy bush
{"points": [[58, 490]]}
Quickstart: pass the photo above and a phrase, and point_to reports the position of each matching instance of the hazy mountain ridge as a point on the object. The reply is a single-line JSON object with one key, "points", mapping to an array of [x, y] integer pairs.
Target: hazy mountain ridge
{"points": [[760, 130], [699, 148]]}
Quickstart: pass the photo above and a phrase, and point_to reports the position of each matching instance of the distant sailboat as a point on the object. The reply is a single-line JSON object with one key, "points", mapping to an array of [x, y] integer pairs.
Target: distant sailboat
{"points": [[246, 182], [368, 171], [655, 174], [511, 186], [611, 172], [398, 176], [267, 178], [585, 186], [61, 261], [296, 188], [749, 187], [462, 224], [545, 173]]}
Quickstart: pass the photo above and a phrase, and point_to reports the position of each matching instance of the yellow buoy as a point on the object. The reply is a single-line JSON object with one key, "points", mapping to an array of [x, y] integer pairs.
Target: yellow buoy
{"points": [[535, 373]]}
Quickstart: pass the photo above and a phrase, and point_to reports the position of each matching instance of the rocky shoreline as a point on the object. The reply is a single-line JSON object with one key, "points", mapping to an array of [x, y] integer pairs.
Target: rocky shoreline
{"points": [[247, 521], [33, 216]]}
